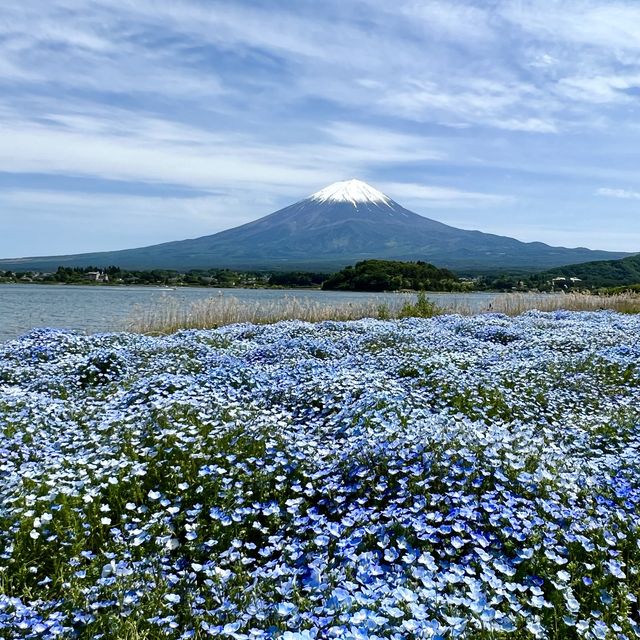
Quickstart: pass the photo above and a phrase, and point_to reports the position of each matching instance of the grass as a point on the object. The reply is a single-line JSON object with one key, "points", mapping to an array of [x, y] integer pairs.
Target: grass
{"points": [[170, 315]]}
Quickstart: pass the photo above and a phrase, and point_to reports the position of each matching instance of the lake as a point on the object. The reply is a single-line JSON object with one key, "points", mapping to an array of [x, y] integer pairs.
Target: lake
{"points": [[93, 309]]}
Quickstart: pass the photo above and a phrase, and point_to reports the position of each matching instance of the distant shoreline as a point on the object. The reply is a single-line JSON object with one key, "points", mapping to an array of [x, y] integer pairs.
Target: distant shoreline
{"points": [[103, 285], [108, 285]]}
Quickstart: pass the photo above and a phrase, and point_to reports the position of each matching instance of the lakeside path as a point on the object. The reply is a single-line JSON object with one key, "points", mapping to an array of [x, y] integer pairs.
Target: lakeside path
{"points": [[452, 477]]}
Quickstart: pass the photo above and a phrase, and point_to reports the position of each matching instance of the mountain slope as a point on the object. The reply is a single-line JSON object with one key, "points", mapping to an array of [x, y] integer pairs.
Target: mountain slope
{"points": [[602, 273], [344, 223]]}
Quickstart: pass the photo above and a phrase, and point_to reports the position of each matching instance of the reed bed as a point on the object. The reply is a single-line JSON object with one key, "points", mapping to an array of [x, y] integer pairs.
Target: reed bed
{"points": [[514, 304], [170, 315]]}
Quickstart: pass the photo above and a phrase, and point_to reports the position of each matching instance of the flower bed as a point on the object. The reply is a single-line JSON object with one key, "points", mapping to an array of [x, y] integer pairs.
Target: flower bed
{"points": [[451, 477]]}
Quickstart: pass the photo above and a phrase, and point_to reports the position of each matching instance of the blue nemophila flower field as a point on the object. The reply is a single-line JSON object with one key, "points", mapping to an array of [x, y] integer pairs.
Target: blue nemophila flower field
{"points": [[443, 478]]}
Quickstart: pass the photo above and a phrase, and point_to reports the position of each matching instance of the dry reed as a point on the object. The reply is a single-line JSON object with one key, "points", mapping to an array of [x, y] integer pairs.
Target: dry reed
{"points": [[514, 304], [169, 314]]}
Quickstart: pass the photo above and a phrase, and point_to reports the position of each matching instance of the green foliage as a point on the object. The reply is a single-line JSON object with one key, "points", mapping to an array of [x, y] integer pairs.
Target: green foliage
{"points": [[421, 308], [384, 313], [100, 368], [603, 273], [388, 275], [506, 282], [606, 276], [631, 288], [226, 278], [296, 279]]}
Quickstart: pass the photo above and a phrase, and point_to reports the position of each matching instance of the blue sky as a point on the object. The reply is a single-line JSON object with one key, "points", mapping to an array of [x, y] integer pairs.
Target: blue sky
{"points": [[130, 122]]}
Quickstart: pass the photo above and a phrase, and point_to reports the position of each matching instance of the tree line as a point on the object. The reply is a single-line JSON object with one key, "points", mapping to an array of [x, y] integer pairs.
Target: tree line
{"points": [[367, 275]]}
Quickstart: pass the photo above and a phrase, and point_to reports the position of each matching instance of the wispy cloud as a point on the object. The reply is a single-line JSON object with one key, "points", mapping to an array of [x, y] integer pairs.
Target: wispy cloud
{"points": [[120, 145], [592, 23], [433, 196], [601, 89], [623, 194]]}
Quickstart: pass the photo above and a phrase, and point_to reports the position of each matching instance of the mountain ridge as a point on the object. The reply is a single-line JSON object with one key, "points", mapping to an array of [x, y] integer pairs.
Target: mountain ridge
{"points": [[601, 273], [339, 225]]}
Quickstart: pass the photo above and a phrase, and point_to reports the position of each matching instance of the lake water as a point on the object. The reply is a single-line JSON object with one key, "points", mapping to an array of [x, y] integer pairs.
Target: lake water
{"points": [[93, 309]]}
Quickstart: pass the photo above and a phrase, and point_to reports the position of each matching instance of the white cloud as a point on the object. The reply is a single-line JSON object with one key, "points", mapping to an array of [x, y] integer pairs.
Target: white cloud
{"points": [[66, 45], [36, 149], [452, 21], [624, 194], [379, 144], [117, 144], [434, 196], [477, 101], [600, 89], [426, 61], [532, 125], [592, 23]]}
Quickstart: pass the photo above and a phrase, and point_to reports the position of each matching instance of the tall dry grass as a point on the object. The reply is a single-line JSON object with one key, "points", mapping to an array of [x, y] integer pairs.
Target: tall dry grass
{"points": [[169, 314], [514, 304]]}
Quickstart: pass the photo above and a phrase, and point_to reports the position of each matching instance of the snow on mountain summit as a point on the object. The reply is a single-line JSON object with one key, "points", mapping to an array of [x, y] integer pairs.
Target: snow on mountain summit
{"points": [[353, 191]]}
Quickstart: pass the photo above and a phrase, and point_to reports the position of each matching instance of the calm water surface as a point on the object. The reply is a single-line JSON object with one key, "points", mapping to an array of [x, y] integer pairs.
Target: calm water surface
{"points": [[97, 309]]}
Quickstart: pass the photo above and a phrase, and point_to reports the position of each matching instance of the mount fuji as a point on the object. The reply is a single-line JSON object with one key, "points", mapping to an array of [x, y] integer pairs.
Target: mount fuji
{"points": [[336, 226]]}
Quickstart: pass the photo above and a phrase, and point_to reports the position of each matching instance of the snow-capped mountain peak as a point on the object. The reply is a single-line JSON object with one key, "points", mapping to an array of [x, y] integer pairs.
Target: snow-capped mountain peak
{"points": [[353, 191]]}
